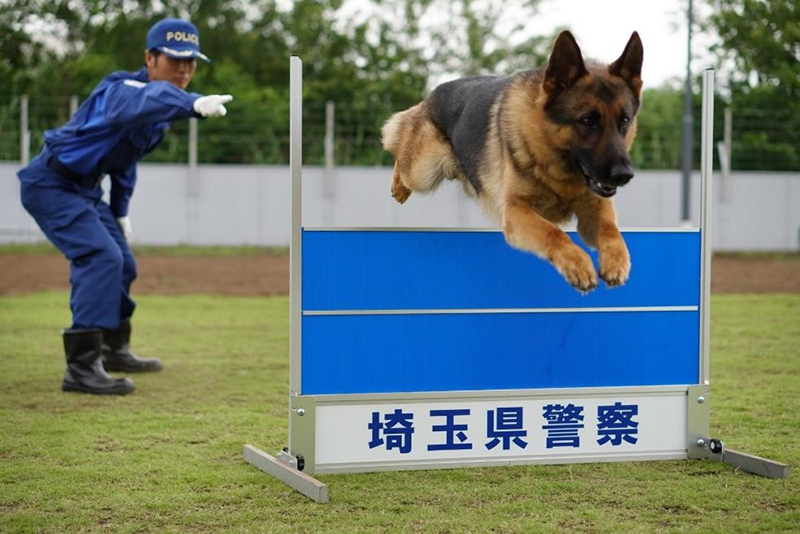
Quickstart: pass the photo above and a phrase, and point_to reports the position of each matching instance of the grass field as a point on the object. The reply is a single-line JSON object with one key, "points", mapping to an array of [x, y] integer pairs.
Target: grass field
{"points": [[169, 457]]}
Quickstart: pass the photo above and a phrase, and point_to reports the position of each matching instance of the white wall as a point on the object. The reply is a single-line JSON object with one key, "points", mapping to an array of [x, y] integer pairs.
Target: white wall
{"points": [[249, 205]]}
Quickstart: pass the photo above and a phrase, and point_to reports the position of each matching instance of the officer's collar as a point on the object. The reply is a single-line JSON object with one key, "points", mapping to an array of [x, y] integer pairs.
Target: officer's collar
{"points": [[141, 75]]}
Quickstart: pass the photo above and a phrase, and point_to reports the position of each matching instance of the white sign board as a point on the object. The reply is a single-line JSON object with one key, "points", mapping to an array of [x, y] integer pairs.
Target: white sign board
{"points": [[369, 435]]}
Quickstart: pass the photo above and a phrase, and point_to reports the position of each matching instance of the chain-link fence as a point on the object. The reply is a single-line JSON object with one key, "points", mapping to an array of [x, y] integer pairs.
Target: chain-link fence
{"points": [[761, 139]]}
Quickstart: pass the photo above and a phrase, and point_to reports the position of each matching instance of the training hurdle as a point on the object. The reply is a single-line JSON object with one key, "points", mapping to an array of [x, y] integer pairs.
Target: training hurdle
{"points": [[440, 348]]}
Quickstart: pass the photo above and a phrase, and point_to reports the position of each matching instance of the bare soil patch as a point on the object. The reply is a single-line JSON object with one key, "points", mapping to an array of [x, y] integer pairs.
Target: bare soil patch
{"points": [[268, 274]]}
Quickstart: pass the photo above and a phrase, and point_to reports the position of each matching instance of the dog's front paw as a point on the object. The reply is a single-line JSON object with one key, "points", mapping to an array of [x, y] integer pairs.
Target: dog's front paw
{"points": [[576, 267], [615, 264]]}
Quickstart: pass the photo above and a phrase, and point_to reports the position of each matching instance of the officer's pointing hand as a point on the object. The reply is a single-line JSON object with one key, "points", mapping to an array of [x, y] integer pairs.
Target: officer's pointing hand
{"points": [[212, 105]]}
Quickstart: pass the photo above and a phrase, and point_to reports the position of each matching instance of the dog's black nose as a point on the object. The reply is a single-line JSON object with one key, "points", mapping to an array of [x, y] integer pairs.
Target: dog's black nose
{"points": [[621, 173]]}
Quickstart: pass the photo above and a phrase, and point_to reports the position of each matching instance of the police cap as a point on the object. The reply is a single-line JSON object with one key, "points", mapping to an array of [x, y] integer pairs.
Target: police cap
{"points": [[176, 38]]}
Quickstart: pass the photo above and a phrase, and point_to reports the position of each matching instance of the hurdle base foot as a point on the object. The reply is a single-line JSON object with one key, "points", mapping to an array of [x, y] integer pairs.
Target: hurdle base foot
{"points": [[288, 474], [747, 462]]}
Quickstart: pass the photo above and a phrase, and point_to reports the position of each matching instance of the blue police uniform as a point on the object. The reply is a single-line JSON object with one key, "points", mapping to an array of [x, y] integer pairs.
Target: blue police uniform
{"points": [[123, 119]]}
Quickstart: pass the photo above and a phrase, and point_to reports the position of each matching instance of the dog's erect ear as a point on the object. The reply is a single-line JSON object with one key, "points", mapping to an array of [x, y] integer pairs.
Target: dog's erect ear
{"points": [[629, 65], [565, 65]]}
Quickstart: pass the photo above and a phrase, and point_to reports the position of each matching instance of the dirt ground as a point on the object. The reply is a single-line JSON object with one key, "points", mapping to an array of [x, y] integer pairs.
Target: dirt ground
{"points": [[268, 274]]}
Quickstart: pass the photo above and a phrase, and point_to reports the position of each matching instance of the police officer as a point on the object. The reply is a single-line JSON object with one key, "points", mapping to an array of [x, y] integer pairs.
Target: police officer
{"points": [[123, 119]]}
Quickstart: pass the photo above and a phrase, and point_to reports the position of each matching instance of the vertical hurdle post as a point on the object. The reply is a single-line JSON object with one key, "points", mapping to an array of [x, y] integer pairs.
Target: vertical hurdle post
{"points": [[296, 237], [706, 172], [699, 408], [288, 464]]}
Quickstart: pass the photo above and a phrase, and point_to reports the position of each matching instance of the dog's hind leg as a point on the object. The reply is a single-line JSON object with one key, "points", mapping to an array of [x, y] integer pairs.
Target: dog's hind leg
{"points": [[422, 156], [399, 191], [396, 136], [426, 161]]}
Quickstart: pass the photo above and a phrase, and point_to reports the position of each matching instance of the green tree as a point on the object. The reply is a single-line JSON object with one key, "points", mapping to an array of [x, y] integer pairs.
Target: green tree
{"points": [[761, 39], [368, 74], [469, 37], [658, 130], [370, 66], [19, 52], [764, 133]]}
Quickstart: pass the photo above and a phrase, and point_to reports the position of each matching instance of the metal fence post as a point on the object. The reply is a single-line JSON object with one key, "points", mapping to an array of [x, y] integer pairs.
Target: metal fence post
{"points": [[329, 187], [193, 142], [73, 105], [687, 129], [193, 185], [726, 165], [724, 152], [24, 132]]}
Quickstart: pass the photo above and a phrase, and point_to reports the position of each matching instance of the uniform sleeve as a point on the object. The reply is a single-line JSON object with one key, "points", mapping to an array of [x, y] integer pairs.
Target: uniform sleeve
{"points": [[132, 101], [122, 185]]}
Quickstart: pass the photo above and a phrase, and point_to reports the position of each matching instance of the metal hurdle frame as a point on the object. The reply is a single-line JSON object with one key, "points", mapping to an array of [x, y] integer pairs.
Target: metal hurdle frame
{"points": [[297, 462]]}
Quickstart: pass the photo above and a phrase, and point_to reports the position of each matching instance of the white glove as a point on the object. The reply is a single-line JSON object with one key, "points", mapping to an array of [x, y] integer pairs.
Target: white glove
{"points": [[125, 226], [212, 105]]}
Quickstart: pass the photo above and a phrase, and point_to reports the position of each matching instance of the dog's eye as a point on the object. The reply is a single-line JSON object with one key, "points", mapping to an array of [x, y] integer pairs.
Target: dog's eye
{"points": [[590, 120], [624, 121]]}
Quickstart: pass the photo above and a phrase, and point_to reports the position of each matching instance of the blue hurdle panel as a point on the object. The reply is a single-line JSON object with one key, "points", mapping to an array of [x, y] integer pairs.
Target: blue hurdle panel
{"points": [[406, 353], [502, 319], [406, 270]]}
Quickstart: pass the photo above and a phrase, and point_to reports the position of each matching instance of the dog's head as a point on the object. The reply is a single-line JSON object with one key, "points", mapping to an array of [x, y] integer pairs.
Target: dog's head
{"points": [[595, 107]]}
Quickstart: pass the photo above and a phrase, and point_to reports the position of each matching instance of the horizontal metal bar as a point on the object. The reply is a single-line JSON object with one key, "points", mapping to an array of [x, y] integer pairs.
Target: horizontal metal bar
{"points": [[675, 229], [362, 467], [504, 310], [755, 464], [504, 394]]}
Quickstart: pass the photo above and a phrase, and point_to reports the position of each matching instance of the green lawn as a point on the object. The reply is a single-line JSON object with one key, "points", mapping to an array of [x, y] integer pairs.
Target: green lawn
{"points": [[169, 457]]}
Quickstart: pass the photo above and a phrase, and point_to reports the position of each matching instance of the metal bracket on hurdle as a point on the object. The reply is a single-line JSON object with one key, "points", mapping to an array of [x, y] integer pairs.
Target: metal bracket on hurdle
{"points": [[700, 446], [288, 464]]}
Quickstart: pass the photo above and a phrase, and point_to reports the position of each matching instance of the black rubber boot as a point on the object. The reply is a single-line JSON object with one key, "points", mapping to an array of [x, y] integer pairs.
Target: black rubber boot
{"points": [[84, 350], [117, 355]]}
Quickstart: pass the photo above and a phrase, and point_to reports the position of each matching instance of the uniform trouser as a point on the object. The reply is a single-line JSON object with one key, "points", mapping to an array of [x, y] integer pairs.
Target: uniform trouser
{"points": [[80, 224]]}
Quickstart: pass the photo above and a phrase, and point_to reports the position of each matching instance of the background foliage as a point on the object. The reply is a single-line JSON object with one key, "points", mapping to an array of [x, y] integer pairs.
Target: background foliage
{"points": [[371, 63]]}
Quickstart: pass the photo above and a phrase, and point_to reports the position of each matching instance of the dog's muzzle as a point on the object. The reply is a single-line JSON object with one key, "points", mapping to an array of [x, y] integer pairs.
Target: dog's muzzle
{"points": [[619, 175]]}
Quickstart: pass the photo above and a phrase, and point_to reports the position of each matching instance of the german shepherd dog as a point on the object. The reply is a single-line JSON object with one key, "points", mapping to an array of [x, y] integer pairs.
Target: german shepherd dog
{"points": [[534, 148]]}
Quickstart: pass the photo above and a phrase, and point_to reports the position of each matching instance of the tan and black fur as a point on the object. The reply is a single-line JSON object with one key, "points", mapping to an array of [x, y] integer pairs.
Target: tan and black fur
{"points": [[535, 148]]}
